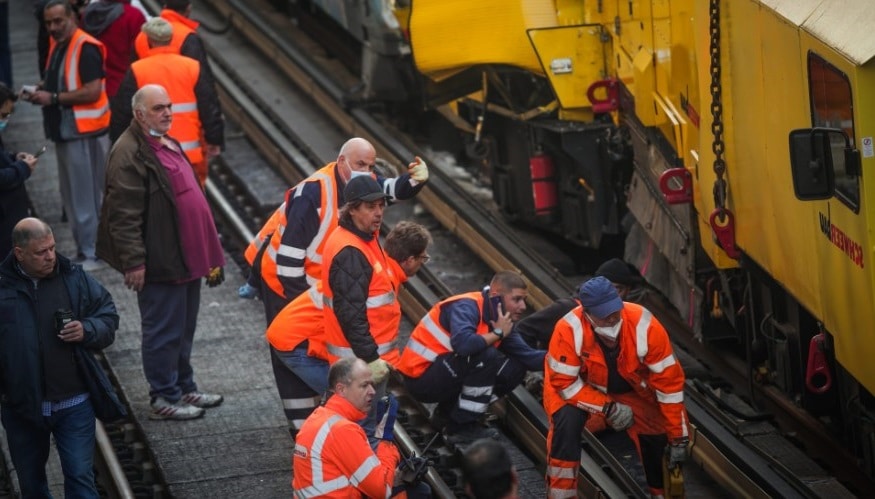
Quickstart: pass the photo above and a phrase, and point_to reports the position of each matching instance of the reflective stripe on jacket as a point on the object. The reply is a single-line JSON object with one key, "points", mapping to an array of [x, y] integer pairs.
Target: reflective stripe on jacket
{"points": [[430, 338], [333, 458], [312, 255], [575, 371], [300, 320], [94, 116], [383, 308], [179, 76]]}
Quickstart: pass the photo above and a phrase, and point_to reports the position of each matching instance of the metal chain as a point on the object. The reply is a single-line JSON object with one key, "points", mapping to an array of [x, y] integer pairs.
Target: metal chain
{"points": [[717, 111]]}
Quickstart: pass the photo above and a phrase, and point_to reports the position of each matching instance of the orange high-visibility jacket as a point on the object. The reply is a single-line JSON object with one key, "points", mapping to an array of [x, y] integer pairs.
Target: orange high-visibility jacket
{"points": [[182, 27], [179, 76], [430, 338], [313, 254], [383, 308], [575, 371], [333, 458], [94, 116], [300, 320], [264, 234]]}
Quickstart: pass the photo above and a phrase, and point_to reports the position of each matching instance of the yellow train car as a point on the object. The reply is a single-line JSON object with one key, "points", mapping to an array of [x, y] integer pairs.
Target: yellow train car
{"points": [[727, 143]]}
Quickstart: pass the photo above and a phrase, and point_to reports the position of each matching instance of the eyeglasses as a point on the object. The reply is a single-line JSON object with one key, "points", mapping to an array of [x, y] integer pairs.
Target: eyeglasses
{"points": [[424, 258]]}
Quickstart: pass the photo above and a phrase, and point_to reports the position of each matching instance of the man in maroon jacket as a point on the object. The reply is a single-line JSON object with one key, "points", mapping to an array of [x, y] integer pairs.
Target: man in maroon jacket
{"points": [[115, 23]]}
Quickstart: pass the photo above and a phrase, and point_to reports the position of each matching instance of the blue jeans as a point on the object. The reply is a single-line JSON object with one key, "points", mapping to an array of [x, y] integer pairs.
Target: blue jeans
{"points": [[73, 430], [312, 371]]}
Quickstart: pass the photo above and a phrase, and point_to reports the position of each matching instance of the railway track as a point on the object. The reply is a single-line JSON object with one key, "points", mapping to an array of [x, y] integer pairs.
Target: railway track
{"points": [[488, 237]]}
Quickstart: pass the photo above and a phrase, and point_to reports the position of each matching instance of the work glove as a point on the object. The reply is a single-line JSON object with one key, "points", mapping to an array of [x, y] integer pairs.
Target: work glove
{"points": [[418, 171], [215, 277], [678, 452], [247, 292], [387, 410], [618, 416], [379, 370]]}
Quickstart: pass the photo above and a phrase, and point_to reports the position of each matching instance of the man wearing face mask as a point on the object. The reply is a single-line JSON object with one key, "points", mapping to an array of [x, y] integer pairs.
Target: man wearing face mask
{"points": [[286, 254], [612, 358]]}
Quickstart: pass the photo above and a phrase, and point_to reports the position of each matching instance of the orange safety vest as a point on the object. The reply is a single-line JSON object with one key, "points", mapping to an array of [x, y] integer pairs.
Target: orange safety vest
{"points": [[182, 27], [575, 371], [260, 239], [94, 116], [313, 255], [300, 320], [178, 75], [333, 458], [383, 308], [430, 338]]}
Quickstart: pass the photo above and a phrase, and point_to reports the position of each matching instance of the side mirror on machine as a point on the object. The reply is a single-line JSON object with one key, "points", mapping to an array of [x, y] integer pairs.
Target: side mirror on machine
{"points": [[815, 156]]}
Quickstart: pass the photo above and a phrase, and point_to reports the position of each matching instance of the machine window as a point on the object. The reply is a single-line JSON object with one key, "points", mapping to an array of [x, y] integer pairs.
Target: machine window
{"points": [[832, 107]]}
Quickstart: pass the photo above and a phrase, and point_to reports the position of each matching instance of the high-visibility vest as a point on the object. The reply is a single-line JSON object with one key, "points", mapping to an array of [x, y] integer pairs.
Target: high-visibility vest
{"points": [[182, 27], [383, 308], [313, 254], [575, 371], [178, 75], [94, 116], [263, 236], [430, 338], [300, 320], [332, 456]]}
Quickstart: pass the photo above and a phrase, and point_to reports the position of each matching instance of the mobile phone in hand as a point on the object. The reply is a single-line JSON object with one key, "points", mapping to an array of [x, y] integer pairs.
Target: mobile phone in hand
{"points": [[494, 302], [28, 89], [41, 151]]}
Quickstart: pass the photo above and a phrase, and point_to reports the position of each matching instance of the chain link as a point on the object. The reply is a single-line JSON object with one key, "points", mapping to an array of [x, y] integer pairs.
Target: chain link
{"points": [[717, 146]]}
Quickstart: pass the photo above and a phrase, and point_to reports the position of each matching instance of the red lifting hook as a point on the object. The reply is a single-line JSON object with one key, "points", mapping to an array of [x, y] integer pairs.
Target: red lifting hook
{"points": [[724, 231], [818, 378], [676, 185]]}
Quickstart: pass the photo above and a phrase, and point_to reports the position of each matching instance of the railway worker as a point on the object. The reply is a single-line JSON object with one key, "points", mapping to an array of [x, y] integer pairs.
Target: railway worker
{"points": [[332, 457], [116, 23], [157, 229], [612, 358], [196, 111], [625, 278], [286, 257], [296, 336], [185, 41], [75, 117], [488, 471], [360, 288], [15, 169], [463, 355], [43, 392]]}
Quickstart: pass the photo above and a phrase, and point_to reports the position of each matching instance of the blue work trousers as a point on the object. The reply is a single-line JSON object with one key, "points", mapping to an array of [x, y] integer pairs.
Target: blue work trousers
{"points": [[471, 382], [73, 430], [169, 318]]}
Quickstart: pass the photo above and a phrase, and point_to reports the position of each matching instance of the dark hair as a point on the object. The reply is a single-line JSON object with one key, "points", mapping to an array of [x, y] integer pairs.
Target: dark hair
{"points": [[341, 372], [487, 469], [506, 280], [344, 215], [6, 94], [68, 8], [177, 5], [407, 239]]}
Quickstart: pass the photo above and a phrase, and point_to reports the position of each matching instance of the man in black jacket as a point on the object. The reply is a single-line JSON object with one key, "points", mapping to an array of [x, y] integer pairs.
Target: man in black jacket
{"points": [[49, 309]]}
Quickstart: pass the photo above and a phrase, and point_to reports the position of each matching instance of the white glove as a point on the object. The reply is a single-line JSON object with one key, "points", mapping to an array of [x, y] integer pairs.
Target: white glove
{"points": [[619, 416], [379, 370], [418, 171]]}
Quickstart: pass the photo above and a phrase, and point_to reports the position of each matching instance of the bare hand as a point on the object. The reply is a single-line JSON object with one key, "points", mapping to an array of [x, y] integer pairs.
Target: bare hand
{"points": [[135, 279], [40, 97], [504, 322], [211, 151], [29, 159], [73, 332]]}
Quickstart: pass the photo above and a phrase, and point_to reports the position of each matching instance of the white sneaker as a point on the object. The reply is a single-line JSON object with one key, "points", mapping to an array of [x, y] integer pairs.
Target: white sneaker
{"points": [[162, 409], [203, 400]]}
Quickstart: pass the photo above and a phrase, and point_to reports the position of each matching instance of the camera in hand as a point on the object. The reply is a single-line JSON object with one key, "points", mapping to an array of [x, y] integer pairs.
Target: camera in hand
{"points": [[63, 317]]}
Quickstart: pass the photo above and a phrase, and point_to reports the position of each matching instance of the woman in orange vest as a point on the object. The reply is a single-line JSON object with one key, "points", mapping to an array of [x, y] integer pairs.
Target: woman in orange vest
{"points": [[297, 340], [611, 358]]}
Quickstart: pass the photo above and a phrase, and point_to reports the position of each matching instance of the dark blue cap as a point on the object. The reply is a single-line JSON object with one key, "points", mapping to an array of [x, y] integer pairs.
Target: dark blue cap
{"points": [[599, 298]]}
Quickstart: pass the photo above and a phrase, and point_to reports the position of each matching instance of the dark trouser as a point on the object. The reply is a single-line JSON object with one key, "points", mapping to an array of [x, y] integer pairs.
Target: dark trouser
{"points": [[169, 318], [301, 380], [273, 303], [73, 431], [469, 383]]}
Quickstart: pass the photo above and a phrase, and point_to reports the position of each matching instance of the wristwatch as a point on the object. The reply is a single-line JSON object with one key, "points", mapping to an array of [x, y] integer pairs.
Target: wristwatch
{"points": [[498, 332]]}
